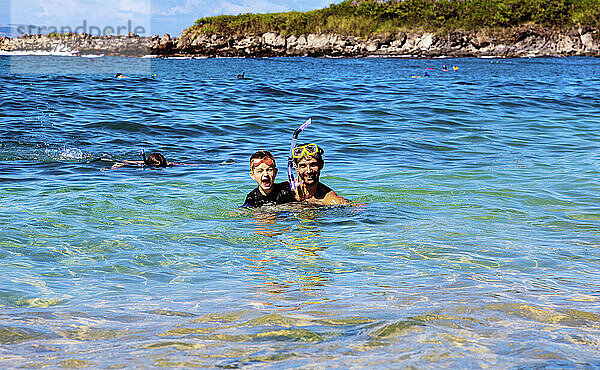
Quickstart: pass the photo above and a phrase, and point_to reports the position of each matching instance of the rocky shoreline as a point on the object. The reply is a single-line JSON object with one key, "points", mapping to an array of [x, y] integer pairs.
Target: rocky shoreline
{"points": [[524, 41]]}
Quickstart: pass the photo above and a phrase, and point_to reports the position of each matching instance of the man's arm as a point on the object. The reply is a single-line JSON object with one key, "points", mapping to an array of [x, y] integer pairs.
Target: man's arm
{"points": [[127, 162], [332, 198], [326, 196]]}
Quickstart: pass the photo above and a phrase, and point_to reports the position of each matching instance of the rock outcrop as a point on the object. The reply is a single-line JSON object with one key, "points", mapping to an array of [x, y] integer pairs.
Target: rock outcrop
{"points": [[80, 44], [530, 41], [526, 41]]}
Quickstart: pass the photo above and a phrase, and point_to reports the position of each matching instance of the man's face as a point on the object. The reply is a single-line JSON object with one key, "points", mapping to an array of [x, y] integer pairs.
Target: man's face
{"points": [[264, 175], [308, 170]]}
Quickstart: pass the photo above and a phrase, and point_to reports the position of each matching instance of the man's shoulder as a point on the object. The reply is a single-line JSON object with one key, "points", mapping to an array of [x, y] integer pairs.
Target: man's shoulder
{"points": [[322, 190], [329, 196]]}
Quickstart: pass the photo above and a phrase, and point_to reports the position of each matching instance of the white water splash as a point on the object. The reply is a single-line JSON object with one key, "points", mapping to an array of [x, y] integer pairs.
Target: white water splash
{"points": [[66, 153], [71, 153]]}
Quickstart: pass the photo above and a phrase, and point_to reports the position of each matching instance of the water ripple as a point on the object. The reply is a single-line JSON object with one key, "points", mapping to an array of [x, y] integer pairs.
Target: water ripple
{"points": [[473, 233]]}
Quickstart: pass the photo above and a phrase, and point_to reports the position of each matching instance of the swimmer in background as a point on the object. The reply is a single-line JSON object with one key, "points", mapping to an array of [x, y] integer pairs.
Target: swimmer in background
{"points": [[263, 170], [120, 76], [241, 77], [157, 160], [154, 160], [425, 75], [444, 68]]}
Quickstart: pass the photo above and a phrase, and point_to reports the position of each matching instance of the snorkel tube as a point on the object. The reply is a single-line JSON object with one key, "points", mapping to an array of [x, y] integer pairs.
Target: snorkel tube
{"points": [[144, 158], [290, 166]]}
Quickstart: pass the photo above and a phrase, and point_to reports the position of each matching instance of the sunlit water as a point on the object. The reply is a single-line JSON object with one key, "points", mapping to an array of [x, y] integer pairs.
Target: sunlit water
{"points": [[473, 240]]}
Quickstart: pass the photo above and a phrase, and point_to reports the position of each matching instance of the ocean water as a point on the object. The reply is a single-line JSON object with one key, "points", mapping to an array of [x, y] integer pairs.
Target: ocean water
{"points": [[473, 240]]}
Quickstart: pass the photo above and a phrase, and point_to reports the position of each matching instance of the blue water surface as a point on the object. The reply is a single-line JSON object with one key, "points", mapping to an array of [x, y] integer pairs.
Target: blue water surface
{"points": [[473, 240]]}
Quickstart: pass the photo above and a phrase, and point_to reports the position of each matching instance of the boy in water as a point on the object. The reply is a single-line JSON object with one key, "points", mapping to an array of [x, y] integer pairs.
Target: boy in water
{"points": [[264, 171]]}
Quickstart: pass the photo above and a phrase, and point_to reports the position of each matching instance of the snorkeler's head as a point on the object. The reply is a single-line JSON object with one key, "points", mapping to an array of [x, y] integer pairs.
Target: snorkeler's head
{"points": [[155, 160], [262, 156], [308, 160], [263, 170], [308, 151]]}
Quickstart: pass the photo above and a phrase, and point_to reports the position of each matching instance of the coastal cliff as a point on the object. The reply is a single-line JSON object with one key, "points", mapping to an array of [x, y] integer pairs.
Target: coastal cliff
{"points": [[79, 44], [354, 28], [522, 41], [525, 41]]}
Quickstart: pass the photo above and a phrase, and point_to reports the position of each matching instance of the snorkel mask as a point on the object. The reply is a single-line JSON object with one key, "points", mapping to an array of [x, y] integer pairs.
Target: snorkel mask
{"points": [[290, 166], [307, 150], [266, 160]]}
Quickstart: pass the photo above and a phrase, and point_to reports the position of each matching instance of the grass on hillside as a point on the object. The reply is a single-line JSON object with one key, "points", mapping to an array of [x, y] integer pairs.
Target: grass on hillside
{"points": [[366, 17]]}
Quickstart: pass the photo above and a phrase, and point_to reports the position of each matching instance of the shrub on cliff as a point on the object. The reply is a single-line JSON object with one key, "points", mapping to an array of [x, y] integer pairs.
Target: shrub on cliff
{"points": [[366, 17]]}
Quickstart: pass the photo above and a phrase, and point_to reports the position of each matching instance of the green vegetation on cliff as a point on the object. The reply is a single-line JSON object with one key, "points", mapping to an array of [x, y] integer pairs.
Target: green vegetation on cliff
{"points": [[366, 17]]}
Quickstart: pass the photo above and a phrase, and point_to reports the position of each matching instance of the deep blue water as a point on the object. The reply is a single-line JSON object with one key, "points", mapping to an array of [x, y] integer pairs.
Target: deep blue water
{"points": [[473, 240]]}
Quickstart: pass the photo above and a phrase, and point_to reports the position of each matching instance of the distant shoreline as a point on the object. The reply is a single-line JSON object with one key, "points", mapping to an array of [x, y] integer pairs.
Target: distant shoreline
{"points": [[519, 41]]}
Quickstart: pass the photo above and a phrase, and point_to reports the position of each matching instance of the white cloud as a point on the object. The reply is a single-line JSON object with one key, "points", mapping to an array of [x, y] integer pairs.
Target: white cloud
{"points": [[175, 15], [71, 12], [255, 7], [57, 9], [205, 8], [135, 6]]}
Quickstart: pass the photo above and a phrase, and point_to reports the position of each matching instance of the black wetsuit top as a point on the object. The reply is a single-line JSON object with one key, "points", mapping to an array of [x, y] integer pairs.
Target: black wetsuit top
{"points": [[281, 194]]}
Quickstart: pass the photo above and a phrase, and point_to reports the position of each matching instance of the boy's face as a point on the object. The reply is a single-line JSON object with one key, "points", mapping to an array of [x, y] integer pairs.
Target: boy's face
{"points": [[264, 174]]}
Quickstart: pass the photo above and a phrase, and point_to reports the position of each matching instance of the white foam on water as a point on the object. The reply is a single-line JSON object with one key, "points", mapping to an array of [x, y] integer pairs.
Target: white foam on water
{"points": [[40, 53], [71, 153], [65, 153]]}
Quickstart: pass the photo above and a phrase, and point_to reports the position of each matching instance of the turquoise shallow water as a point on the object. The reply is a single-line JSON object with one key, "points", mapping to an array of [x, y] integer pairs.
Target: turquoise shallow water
{"points": [[473, 241]]}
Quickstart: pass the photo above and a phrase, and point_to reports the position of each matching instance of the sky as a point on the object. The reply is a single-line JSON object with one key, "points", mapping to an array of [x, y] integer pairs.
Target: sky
{"points": [[121, 16]]}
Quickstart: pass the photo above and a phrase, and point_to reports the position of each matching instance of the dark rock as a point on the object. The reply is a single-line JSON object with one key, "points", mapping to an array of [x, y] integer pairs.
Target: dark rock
{"points": [[532, 40]]}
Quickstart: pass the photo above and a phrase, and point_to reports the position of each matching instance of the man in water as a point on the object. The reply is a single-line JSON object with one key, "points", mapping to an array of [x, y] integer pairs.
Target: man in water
{"points": [[308, 160], [154, 160], [264, 171]]}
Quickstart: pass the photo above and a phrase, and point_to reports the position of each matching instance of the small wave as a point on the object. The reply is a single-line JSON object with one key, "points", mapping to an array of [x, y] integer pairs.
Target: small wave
{"points": [[70, 153], [40, 151], [276, 92], [38, 53]]}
